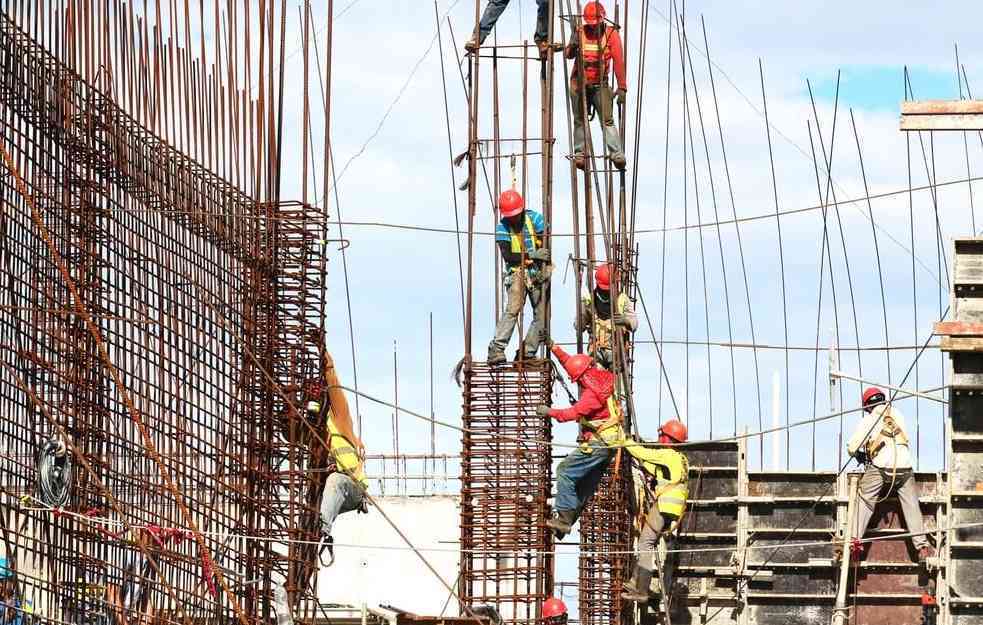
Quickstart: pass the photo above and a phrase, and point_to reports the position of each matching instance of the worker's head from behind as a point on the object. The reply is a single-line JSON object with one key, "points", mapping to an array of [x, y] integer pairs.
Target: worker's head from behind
{"points": [[673, 432], [602, 277], [554, 611], [872, 397], [512, 208], [593, 15]]}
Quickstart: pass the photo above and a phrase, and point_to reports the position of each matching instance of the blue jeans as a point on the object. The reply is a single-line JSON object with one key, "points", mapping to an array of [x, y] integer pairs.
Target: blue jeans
{"points": [[579, 475], [341, 494], [495, 8]]}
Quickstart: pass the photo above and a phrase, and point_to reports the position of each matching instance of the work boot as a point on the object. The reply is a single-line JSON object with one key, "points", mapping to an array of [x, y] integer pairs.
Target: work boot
{"points": [[925, 553], [496, 357], [619, 160], [562, 523], [637, 590], [326, 544], [471, 45], [578, 161], [544, 49]]}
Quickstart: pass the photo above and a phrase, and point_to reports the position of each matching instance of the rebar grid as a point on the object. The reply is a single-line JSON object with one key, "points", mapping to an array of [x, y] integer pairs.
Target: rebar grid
{"points": [[206, 316], [505, 487]]}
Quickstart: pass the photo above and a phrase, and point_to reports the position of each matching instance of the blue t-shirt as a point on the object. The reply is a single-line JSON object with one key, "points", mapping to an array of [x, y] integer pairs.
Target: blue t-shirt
{"points": [[503, 233]]}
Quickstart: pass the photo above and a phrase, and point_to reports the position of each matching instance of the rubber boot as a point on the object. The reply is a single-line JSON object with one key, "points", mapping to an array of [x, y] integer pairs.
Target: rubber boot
{"points": [[637, 590], [562, 523], [496, 357], [619, 160]]}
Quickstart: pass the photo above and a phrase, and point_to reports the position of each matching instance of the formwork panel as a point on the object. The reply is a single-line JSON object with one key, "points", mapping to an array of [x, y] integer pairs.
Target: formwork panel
{"points": [[505, 486]]}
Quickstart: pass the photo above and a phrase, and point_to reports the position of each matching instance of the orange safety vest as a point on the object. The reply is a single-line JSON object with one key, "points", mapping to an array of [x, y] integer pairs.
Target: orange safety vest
{"points": [[596, 56]]}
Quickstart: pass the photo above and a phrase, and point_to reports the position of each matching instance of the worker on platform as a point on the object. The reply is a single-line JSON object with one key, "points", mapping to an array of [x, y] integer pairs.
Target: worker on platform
{"points": [[598, 316], [668, 472], [346, 484], [554, 612], [599, 417], [495, 8], [519, 235], [595, 45], [881, 443]]}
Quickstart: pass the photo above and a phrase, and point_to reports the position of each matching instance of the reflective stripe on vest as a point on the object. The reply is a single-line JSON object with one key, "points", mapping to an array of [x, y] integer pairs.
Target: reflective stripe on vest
{"points": [[671, 491], [595, 67], [517, 238], [345, 454]]}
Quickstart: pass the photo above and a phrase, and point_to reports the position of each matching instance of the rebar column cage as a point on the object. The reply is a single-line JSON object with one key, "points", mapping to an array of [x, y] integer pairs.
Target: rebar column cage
{"points": [[506, 548], [209, 306]]}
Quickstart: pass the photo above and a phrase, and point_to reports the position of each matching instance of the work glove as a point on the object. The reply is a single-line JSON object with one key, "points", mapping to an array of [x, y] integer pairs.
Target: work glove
{"points": [[542, 410], [621, 96], [542, 254], [621, 320]]}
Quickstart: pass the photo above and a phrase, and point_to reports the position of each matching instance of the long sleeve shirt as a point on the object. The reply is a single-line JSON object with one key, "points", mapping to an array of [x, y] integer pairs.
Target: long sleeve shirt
{"points": [[613, 54], [894, 455]]}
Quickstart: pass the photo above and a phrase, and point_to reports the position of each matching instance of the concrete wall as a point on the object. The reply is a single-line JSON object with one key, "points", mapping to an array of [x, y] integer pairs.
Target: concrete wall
{"points": [[393, 575]]}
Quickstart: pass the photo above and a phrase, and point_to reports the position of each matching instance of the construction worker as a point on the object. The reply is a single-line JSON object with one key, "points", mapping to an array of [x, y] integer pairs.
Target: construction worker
{"points": [[346, 484], [519, 235], [554, 612], [598, 317], [11, 612], [600, 45], [668, 471], [599, 417], [881, 443], [495, 8]]}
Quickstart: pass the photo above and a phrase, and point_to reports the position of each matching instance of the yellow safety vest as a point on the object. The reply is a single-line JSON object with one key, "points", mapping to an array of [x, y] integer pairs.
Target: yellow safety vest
{"points": [[603, 329], [609, 431], [345, 454], [517, 238], [670, 469]]}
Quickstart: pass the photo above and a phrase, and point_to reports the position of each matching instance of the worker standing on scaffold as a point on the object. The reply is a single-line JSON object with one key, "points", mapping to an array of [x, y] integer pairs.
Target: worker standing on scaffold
{"points": [[519, 235], [599, 315], [600, 418], [493, 10], [881, 443], [599, 45], [668, 472]]}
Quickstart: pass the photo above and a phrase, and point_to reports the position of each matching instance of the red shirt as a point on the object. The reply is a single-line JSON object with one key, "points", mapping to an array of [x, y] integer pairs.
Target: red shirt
{"points": [[611, 49], [596, 385]]}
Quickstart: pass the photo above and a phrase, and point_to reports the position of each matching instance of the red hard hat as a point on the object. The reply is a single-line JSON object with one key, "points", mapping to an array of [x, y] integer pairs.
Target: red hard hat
{"points": [[576, 365], [675, 430], [870, 395], [593, 13], [554, 607], [510, 203], [602, 277]]}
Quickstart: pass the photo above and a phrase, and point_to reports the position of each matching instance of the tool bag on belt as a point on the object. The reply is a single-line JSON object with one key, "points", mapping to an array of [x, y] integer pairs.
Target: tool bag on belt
{"points": [[669, 471], [888, 431]]}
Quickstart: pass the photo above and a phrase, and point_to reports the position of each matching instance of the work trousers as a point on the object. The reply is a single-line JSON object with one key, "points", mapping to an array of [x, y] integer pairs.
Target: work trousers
{"points": [[603, 102], [341, 494], [579, 474], [517, 289], [495, 8], [648, 542], [872, 487]]}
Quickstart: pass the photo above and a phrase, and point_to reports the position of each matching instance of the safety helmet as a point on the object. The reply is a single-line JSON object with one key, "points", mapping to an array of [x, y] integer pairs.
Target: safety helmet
{"points": [[673, 431], [510, 203], [576, 365], [554, 607], [312, 397], [872, 396], [593, 13], [602, 277]]}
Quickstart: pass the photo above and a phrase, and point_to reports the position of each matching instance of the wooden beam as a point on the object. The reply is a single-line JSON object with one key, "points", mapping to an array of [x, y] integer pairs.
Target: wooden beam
{"points": [[958, 328], [941, 107], [942, 115]]}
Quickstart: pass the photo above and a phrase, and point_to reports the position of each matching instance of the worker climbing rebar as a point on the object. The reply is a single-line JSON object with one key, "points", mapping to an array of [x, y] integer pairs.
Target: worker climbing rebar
{"points": [[600, 419], [598, 317], [519, 235], [667, 470], [595, 45], [881, 443], [494, 9], [346, 484]]}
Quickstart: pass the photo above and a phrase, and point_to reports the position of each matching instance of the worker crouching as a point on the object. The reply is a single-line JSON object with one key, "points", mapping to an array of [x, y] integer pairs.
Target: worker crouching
{"points": [[599, 417], [668, 473], [881, 443]]}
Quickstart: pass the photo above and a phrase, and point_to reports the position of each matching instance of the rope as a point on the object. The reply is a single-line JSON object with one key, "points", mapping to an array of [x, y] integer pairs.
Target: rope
{"points": [[56, 472]]}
